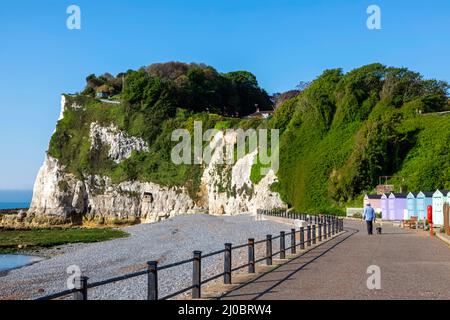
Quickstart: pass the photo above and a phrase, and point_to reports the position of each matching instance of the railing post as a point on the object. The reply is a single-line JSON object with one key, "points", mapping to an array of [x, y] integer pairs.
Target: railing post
{"points": [[81, 287], [251, 255], [269, 249], [152, 280], [282, 245], [309, 236], [333, 225], [293, 242], [320, 232], [314, 234], [325, 230], [329, 228], [197, 275], [227, 264], [302, 238]]}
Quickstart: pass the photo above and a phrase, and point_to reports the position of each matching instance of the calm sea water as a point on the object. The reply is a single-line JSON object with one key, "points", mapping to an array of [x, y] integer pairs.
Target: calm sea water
{"points": [[14, 205], [12, 261], [15, 199]]}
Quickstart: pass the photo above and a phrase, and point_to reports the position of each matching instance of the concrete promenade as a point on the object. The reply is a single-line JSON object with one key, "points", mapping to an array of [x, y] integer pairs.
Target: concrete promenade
{"points": [[413, 266]]}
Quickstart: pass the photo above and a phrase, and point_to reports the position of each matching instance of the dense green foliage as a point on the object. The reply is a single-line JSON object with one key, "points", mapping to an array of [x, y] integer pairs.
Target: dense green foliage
{"points": [[10, 240], [345, 130], [338, 134], [164, 87]]}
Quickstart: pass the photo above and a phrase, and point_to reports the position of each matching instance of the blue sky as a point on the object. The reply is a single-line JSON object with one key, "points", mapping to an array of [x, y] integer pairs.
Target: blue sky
{"points": [[280, 41]]}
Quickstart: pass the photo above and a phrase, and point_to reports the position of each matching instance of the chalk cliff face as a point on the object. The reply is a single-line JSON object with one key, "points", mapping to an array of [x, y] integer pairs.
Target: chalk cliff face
{"points": [[120, 144], [229, 188], [225, 189]]}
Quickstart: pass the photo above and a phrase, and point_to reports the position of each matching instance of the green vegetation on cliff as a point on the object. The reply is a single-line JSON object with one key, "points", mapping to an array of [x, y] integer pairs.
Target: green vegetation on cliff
{"points": [[345, 130], [153, 102], [338, 135]]}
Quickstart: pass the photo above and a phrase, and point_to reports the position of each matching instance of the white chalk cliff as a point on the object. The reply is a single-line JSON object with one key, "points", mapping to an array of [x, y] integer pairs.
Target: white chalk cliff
{"points": [[224, 190]]}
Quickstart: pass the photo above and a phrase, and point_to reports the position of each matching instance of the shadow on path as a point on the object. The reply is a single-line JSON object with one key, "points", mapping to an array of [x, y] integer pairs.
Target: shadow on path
{"points": [[349, 232]]}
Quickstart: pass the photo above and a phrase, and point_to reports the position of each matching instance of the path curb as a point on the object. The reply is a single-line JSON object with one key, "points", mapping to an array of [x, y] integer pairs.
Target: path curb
{"points": [[444, 239]]}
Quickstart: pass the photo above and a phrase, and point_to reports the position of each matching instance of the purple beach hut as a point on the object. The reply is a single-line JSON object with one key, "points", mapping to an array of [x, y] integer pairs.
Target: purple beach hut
{"points": [[384, 203], [397, 206]]}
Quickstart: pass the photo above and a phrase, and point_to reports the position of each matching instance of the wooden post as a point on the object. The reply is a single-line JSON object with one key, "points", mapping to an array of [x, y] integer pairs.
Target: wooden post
{"points": [[197, 275], [302, 238], [227, 264], [251, 255], [282, 245], [293, 242], [269, 249], [325, 236], [320, 232], [152, 280], [308, 232], [81, 287], [314, 234]]}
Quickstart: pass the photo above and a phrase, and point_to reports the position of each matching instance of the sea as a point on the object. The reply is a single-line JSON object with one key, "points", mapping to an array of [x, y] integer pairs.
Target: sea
{"points": [[14, 205], [15, 199], [13, 261]]}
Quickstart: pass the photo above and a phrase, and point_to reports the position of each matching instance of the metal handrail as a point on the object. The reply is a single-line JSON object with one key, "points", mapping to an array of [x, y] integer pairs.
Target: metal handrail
{"points": [[331, 227]]}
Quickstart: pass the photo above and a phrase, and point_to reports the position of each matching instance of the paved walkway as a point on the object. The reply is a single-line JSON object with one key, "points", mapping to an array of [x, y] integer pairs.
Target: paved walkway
{"points": [[413, 266]]}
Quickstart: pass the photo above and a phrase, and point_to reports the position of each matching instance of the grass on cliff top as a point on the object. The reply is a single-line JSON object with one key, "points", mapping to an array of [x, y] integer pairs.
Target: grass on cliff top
{"points": [[14, 240]]}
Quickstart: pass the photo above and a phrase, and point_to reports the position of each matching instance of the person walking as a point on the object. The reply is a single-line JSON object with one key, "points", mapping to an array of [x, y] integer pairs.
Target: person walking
{"points": [[369, 216]]}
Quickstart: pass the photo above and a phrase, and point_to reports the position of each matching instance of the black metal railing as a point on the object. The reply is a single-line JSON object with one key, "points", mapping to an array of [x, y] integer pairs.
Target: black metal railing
{"points": [[319, 228]]}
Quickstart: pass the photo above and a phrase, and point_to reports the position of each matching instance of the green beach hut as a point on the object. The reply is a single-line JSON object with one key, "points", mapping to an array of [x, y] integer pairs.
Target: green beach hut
{"points": [[411, 204], [423, 200], [439, 198]]}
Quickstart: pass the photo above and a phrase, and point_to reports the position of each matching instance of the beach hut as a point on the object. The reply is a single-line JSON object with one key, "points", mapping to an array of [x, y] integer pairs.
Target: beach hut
{"points": [[374, 200], [423, 200], [397, 206], [439, 198], [411, 204], [384, 202]]}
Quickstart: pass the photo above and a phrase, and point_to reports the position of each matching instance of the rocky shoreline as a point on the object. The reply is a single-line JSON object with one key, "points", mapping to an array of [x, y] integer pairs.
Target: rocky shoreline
{"points": [[12, 211]]}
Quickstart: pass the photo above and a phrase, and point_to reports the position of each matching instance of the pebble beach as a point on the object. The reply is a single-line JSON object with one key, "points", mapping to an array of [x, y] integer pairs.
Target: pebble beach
{"points": [[166, 242]]}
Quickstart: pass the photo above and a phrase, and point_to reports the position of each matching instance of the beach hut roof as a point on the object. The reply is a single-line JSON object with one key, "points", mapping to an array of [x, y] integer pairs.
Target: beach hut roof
{"points": [[442, 191], [426, 194], [373, 196], [398, 195], [414, 194]]}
